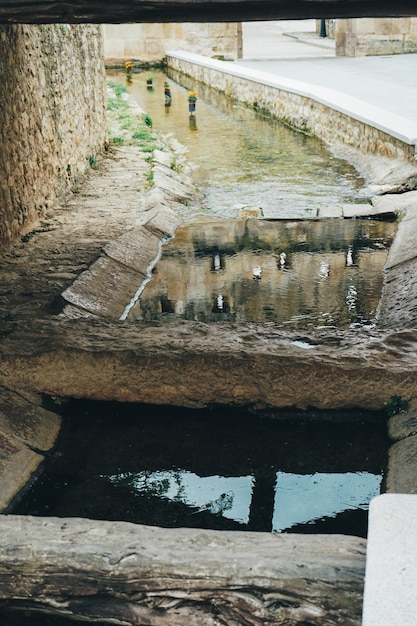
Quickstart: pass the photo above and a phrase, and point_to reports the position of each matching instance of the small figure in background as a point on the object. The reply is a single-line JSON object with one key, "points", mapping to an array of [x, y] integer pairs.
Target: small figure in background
{"points": [[192, 99], [257, 272], [167, 93], [128, 68]]}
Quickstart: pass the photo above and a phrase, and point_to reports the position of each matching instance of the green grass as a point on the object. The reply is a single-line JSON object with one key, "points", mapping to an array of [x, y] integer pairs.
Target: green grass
{"points": [[127, 127]]}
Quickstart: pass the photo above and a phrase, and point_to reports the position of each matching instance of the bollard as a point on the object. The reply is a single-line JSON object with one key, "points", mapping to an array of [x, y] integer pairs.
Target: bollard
{"points": [[167, 93], [149, 82], [192, 99], [128, 68]]}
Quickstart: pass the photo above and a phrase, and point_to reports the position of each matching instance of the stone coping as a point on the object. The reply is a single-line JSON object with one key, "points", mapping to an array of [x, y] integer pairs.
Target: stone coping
{"points": [[394, 125], [391, 562]]}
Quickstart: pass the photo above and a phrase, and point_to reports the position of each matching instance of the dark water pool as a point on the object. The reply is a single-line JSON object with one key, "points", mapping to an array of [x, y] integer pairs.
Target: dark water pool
{"points": [[221, 468], [224, 469]]}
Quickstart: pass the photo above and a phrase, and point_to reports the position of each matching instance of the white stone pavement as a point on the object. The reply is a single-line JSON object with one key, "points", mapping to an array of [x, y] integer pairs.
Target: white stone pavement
{"points": [[293, 51]]}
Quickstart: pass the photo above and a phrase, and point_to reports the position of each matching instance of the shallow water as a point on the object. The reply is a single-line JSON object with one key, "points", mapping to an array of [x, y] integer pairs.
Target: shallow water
{"points": [[244, 157], [290, 274]]}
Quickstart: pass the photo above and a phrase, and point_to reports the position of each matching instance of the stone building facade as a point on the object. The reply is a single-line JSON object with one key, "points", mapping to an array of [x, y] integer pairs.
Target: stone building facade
{"points": [[375, 36], [52, 117], [148, 43]]}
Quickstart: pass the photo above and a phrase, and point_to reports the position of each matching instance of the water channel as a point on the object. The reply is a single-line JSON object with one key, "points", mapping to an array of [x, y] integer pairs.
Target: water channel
{"points": [[243, 157], [296, 273], [225, 468]]}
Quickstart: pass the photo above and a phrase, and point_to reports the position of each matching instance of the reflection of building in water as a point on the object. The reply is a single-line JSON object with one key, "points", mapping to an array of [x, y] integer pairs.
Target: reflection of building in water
{"points": [[293, 498], [207, 272]]}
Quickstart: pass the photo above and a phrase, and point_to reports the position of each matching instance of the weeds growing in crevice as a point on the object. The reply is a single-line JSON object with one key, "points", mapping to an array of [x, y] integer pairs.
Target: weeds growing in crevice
{"points": [[126, 126]]}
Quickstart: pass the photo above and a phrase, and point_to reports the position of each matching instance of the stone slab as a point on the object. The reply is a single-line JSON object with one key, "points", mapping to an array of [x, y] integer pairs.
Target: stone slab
{"points": [[403, 247], [365, 210], [72, 312], [403, 425], [104, 289], [164, 223], [390, 597], [398, 306], [289, 213], [155, 198], [28, 422], [134, 249], [172, 184], [326, 212], [398, 203], [17, 465], [402, 466]]}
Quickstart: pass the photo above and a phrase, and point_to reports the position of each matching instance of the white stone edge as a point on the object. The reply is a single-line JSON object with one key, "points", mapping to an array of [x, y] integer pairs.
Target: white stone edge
{"points": [[390, 596], [394, 125]]}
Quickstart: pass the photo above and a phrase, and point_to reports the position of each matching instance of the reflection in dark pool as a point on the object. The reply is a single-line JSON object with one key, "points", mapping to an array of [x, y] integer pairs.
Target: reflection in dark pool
{"points": [[293, 274], [221, 468], [244, 157]]}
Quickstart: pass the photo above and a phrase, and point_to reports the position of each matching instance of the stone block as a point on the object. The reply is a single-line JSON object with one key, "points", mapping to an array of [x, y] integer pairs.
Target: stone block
{"points": [[30, 423], [163, 158], [17, 464], [403, 425], [326, 212], [390, 597], [403, 247], [402, 466], [155, 198], [164, 223], [105, 289], [397, 203], [175, 187], [397, 308], [135, 249], [364, 210]]}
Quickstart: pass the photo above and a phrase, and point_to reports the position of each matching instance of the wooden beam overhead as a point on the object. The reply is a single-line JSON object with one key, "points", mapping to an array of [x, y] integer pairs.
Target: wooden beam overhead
{"points": [[126, 11]]}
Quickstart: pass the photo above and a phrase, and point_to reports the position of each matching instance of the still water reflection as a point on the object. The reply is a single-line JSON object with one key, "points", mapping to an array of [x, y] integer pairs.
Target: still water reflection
{"points": [[293, 274], [243, 157], [328, 494], [221, 468]]}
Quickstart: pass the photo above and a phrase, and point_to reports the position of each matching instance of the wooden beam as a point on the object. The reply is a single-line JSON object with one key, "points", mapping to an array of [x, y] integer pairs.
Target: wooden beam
{"points": [[124, 11]]}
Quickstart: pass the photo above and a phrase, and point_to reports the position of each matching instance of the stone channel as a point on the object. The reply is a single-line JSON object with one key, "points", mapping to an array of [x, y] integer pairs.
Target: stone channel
{"points": [[65, 290]]}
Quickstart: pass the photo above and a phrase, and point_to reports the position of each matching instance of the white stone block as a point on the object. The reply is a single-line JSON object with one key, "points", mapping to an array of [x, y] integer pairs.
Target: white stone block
{"points": [[391, 562]]}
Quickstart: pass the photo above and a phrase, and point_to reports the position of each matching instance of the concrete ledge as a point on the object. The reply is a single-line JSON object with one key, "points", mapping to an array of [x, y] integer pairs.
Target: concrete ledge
{"points": [[391, 565]]}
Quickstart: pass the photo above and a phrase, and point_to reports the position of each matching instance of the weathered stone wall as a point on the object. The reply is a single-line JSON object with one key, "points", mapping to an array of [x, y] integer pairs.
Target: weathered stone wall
{"points": [[52, 117], [376, 36], [148, 43]]}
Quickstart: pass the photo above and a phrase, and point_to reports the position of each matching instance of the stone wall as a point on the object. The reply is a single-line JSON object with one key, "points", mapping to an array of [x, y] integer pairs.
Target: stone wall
{"points": [[376, 36], [52, 117], [148, 43]]}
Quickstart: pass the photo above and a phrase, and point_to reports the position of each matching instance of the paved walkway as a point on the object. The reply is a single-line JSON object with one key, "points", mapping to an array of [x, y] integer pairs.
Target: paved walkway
{"points": [[295, 51]]}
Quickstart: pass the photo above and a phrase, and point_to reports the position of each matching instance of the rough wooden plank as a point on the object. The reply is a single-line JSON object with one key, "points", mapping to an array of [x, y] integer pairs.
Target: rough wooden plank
{"points": [[120, 11], [136, 574]]}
